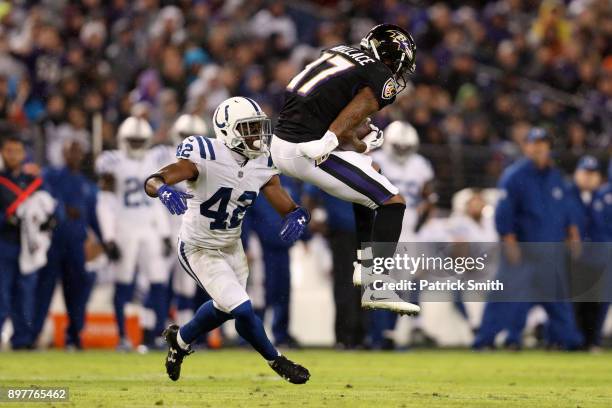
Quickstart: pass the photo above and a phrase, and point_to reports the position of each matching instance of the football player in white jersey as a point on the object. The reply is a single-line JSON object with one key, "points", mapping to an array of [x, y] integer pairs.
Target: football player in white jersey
{"points": [[135, 230], [410, 172], [224, 177]]}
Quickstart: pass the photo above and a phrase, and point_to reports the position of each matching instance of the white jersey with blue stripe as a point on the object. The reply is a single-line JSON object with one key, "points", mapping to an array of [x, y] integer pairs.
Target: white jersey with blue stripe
{"points": [[226, 186], [134, 206]]}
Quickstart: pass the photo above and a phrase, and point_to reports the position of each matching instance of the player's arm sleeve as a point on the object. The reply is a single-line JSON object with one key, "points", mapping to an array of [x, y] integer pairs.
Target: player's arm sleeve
{"points": [[380, 79], [272, 170], [507, 207], [106, 208]]}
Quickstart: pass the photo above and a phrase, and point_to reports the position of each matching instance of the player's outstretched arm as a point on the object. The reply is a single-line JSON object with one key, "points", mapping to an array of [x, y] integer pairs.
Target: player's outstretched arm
{"points": [[295, 218], [159, 185]]}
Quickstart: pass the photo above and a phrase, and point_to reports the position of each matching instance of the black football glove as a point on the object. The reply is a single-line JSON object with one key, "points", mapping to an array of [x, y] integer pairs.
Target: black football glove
{"points": [[112, 251]]}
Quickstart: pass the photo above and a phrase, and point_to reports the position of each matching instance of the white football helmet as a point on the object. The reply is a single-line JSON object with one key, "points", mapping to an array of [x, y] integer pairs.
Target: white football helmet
{"points": [[134, 137], [188, 125], [401, 140], [240, 123]]}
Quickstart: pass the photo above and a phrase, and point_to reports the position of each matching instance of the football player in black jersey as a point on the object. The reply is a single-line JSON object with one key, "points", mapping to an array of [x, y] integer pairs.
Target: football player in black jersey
{"points": [[317, 135]]}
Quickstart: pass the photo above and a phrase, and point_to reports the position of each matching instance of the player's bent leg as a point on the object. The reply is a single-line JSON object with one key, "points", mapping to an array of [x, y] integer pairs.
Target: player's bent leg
{"points": [[206, 318], [387, 229], [351, 177], [250, 327]]}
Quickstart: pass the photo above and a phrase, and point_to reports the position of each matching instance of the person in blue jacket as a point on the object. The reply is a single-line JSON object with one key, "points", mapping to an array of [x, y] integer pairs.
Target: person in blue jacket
{"points": [[262, 219], [534, 208], [586, 271], [17, 290], [76, 196], [592, 314]]}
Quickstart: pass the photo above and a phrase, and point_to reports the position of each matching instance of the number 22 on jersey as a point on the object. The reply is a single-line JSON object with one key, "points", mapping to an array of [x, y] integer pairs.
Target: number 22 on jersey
{"points": [[315, 72]]}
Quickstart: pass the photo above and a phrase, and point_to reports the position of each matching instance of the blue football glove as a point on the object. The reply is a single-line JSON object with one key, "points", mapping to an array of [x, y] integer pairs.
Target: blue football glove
{"points": [[294, 225], [174, 200]]}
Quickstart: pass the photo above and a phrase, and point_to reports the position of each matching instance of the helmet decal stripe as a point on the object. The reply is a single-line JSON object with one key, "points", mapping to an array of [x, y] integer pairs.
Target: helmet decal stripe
{"points": [[254, 105]]}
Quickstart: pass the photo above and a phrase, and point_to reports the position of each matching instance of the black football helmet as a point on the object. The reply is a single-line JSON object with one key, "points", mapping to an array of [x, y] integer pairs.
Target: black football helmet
{"points": [[393, 46]]}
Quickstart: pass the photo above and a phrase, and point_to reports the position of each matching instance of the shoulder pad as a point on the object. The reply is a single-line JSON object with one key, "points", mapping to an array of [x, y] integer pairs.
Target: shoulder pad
{"points": [[196, 148]]}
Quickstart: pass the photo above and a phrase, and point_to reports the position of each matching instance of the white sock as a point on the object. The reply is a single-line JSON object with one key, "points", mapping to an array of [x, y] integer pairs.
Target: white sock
{"points": [[181, 342]]}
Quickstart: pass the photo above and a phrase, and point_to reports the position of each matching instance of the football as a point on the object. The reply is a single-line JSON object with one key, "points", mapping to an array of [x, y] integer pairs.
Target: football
{"points": [[362, 130]]}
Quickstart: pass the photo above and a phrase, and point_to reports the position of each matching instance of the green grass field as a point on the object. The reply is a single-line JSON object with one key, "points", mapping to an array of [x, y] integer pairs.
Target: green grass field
{"points": [[353, 379]]}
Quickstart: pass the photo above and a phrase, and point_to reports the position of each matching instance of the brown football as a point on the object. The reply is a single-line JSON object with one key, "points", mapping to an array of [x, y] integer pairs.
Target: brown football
{"points": [[361, 131]]}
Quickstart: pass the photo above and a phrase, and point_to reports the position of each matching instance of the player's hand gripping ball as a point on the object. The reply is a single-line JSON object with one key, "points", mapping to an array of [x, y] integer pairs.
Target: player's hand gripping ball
{"points": [[374, 139], [361, 131], [294, 225], [175, 201]]}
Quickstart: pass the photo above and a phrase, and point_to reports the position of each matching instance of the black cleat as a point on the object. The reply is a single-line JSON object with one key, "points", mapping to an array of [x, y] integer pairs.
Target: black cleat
{"points": [[294, 373], [176, 354]]}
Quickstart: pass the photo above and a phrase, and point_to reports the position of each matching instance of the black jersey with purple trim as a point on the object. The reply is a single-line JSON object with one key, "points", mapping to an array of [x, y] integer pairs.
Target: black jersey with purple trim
{"points": [[315, 96]]}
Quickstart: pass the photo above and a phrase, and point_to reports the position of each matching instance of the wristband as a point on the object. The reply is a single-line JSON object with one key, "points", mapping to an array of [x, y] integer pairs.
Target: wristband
{"points": [[155, 175]]}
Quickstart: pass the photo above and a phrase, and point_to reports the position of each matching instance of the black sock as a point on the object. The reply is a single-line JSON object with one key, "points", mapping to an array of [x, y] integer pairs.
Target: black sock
{"points": [[388, 223], [364, 222], [387, 229]]}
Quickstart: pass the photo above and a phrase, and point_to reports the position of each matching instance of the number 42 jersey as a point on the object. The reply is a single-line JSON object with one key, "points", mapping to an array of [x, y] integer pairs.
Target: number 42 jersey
{"points": [[224, 189], [316, 95]]}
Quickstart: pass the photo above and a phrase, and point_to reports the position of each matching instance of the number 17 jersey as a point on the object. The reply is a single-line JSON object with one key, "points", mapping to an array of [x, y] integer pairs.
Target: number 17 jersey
{"points": [[316, 95], [222, 192]]}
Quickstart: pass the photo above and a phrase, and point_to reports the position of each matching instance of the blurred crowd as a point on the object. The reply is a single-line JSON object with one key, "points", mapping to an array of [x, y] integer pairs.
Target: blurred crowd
{"points": [[486, 70]]}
